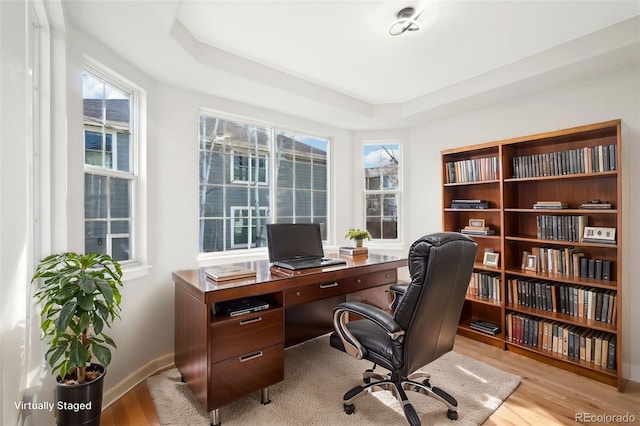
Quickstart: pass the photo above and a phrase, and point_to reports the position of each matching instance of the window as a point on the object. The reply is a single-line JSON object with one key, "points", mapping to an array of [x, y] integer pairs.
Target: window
{"points": [[237, 195], [382, 190], [109, 175], [301, 185]]}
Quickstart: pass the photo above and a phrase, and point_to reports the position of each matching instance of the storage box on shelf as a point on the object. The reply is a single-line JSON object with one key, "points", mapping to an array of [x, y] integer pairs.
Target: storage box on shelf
{"points": [[571, 290]]}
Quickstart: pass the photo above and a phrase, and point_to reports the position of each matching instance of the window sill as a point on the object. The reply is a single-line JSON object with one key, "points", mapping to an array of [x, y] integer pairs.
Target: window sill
{"points": [[134, 271], [226, 257]]}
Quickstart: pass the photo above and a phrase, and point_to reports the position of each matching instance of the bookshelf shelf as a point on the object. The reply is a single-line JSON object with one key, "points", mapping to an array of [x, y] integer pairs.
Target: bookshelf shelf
{"points": [[573, 166], [568, 319], [482, 182], [564, 211], [537, 241], [486, 301], [609, 375], [465, 328], [563, 177], [547, 276], [473, 210]]}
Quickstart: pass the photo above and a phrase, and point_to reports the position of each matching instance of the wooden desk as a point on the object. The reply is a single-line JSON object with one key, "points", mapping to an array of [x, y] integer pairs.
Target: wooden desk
{"points": [[222, 358]]}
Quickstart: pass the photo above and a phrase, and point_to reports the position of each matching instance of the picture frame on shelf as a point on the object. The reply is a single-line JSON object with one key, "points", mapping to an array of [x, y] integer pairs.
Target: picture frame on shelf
{"points": [[491, 259], [531, 263], [477, 223], [598, 234]]}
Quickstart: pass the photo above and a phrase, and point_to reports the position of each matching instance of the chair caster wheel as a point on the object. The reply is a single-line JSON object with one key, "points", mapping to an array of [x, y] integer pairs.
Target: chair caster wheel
{"points": [[349, 408], [452, 415]]}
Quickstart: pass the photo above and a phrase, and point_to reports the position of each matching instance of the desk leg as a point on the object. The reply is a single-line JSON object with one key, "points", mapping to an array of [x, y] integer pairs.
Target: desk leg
{"points": [[214, 417], [265, 396]]}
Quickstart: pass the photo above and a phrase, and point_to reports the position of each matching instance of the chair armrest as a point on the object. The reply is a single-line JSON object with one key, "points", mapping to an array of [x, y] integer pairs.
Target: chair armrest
{"points": [[396, 291], [374, 314], [377, 316]]}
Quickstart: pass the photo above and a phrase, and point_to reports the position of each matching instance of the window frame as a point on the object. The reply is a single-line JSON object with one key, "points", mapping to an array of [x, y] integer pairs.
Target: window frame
{"points": [[135, 93], [271, 184], [382, 191]]}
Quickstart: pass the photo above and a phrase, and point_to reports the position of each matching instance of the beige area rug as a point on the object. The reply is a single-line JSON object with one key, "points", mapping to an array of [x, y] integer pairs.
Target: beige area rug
{"points": [[316, 378]]}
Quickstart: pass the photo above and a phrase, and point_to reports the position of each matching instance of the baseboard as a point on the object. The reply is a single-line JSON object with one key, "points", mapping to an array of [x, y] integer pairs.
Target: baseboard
{"points": [[116, 392]]}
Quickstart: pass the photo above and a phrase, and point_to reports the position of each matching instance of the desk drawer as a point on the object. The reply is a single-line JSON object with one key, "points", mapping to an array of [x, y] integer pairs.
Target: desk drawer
{"points": [[311, 292], [238, 376], [237, 336]]}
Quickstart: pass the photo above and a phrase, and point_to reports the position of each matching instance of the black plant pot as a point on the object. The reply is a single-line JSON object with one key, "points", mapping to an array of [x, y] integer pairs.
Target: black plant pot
{"points": [[80, 404]]}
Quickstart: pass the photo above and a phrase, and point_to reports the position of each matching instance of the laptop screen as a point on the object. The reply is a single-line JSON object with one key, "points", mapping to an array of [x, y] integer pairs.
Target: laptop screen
{"points": [[288, 241]]}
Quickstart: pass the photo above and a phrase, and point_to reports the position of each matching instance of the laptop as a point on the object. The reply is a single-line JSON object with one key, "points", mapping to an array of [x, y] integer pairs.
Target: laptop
{"points": [[297, 246]]}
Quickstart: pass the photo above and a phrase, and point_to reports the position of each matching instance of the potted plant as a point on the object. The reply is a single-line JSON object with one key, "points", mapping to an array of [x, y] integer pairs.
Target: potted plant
{"points": [[358, 235], [80, 298]]}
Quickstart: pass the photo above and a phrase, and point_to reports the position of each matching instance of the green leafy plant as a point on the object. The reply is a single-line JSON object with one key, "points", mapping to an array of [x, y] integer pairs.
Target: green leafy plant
{"points": [[81, 297], [357, 234]]}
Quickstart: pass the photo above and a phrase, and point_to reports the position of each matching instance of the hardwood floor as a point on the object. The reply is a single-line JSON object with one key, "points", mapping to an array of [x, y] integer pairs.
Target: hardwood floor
{"points": [[546, 395]]}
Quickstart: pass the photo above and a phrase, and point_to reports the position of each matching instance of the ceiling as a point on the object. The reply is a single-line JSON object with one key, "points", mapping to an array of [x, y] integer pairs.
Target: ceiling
{"points": [[334, 61]]}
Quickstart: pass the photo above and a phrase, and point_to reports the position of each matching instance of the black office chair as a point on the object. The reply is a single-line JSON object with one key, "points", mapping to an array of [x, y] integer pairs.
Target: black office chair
{"points": [[421, 329]]}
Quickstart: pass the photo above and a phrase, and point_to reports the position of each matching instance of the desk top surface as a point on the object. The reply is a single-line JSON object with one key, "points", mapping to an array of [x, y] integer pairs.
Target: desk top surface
{"points": [[195, 281]]}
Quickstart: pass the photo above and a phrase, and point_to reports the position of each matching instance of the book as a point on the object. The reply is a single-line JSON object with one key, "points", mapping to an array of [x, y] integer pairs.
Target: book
{"points": [[596, 206], [485, 327], [229, 272], [474, 232], [550, 205], [354, 251]]}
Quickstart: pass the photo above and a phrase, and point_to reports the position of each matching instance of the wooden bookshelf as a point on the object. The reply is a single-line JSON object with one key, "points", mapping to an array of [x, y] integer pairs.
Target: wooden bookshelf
{"points": [[574, 166]]}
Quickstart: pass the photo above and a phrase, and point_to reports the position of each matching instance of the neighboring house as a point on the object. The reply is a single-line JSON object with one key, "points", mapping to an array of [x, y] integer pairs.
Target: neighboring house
{"points": [[239, 195], [107, 141]]}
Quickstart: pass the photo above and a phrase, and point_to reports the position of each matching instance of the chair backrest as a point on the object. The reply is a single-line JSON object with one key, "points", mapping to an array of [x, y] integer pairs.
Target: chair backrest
{"points": [[440, 266]]}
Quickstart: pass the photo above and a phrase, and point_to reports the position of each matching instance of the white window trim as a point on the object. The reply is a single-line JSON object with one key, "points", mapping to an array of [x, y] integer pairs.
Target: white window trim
{"points": [[209, 258], [396, 243], [138, 266]]}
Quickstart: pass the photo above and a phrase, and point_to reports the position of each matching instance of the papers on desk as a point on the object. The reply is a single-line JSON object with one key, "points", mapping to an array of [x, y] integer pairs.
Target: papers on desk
{"points": [[229, 272]]}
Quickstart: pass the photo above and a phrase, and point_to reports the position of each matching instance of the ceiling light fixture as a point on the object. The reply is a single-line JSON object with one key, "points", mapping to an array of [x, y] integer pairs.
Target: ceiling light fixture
{"points": [[407, 21]]}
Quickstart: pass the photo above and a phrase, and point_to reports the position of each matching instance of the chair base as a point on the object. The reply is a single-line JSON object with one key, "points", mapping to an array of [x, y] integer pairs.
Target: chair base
{"points": [[415, 382]]}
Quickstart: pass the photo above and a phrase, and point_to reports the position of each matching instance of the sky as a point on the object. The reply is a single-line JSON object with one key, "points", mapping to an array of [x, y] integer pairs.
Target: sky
{"points": [[92, 88], [376, 156]]}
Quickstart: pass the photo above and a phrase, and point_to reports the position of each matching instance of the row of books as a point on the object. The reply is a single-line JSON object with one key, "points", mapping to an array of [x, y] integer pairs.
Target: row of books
{"points": [[476, 170], [574, 342], [571, 261], [578, 301], [560, 228], [595, 159], [485, 284], [590, 303]]}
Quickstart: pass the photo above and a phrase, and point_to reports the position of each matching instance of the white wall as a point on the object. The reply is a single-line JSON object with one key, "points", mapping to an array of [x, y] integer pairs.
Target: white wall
{"points": [[606, 98], [15, 237]]}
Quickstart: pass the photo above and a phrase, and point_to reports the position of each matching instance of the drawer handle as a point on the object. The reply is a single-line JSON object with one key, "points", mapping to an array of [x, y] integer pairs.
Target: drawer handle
{"points": [[250, 320], [335, 284], [249, 357]]}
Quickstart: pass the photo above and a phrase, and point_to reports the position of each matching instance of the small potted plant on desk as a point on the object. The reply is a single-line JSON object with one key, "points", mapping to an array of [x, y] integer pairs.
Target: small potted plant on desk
{"points": [[80, 298], [358, 235]]}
